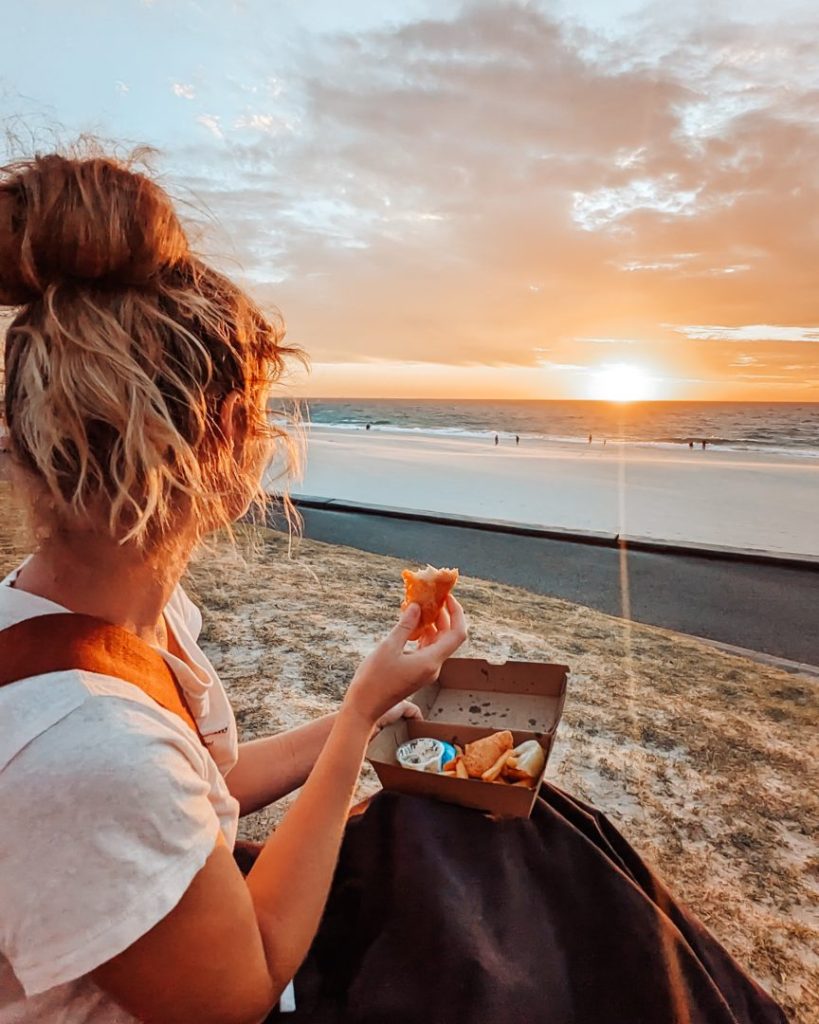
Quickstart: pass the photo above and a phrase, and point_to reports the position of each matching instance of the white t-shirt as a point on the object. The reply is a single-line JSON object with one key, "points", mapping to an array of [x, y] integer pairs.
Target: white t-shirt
{"points": [[109, 806]]}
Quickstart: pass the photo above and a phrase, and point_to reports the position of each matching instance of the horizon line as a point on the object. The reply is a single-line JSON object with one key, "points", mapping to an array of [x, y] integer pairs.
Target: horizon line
{"points": [[578, 401]]}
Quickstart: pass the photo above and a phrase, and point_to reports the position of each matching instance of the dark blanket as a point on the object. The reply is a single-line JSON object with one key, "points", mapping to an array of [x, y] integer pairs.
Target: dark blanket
{"points": [[440, 915]]}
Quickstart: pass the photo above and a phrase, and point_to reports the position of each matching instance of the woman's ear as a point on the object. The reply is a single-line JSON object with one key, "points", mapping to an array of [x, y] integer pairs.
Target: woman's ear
{"points": [[233, 418]]}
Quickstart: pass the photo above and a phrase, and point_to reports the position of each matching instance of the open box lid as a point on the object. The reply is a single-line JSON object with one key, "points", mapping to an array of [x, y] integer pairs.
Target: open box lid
{"points": [[517, 695]]}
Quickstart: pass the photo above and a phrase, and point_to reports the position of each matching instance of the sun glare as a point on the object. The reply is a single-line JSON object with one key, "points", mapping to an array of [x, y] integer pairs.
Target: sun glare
{"points": [[622, 382]]}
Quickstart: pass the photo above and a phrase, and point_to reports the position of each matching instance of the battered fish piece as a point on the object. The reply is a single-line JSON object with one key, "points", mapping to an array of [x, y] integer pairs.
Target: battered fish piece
{"points": [[481, 755], [429, 588]]}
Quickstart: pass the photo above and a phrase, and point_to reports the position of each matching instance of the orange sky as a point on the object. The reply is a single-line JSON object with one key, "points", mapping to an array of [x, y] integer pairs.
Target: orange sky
{"points": [[481, 199], [516, 206]]}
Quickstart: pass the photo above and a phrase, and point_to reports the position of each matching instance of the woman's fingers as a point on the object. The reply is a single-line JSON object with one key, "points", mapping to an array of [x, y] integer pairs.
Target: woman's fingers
{"points": [[403, 709], [457, 619], [400, 632], [447, 641]]}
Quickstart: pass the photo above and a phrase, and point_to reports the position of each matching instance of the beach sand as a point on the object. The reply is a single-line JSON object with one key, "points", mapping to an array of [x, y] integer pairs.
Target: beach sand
{"points": [[703, 759], [738, 499]]}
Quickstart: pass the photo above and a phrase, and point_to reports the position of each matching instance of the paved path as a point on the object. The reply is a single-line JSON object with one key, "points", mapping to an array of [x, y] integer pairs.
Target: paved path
{"points": [[773, 609]]}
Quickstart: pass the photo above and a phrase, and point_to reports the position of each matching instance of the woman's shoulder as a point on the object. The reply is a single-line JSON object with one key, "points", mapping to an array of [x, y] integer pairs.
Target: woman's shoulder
{"points": [[109, 812], [75, 721]]}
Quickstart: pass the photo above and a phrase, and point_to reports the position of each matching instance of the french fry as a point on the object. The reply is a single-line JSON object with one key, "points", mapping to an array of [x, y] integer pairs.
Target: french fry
{"points": [[492, 773], [460, 769]]}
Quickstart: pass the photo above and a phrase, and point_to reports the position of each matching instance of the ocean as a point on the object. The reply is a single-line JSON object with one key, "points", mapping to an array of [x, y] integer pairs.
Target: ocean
{"points": [[777, 428]]}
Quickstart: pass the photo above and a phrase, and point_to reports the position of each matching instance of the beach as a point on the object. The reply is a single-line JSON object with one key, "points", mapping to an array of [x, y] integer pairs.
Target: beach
{"points": [[703, 759], [747, 499]]}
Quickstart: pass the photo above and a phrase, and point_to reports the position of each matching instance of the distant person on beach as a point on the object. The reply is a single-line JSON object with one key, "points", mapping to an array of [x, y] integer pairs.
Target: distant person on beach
{"points": [[704, 443], [517, 438], [367, 427], [605, 440], [137, 380], [590, 439], [496, 438], [690, 444]]}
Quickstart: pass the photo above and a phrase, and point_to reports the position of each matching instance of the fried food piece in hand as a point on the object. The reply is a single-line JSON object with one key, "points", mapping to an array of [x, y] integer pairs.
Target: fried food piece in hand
{"points": [[429, 588], [481, 755]]}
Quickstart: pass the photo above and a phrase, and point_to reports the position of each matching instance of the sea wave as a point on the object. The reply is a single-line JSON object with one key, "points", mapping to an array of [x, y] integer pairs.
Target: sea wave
{"points": [[740, 444]]}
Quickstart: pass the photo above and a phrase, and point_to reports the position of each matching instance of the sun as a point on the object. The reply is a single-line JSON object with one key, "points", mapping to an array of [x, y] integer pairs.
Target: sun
{"points": [[622, 382]]}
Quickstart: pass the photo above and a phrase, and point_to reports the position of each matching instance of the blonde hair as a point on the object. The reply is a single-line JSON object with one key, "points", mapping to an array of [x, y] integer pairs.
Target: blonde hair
{"points": [[122, 350]]}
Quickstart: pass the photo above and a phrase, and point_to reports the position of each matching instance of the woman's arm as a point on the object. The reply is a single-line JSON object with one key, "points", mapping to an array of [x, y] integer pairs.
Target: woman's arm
{"points": [[226, 951], [273, 766]]}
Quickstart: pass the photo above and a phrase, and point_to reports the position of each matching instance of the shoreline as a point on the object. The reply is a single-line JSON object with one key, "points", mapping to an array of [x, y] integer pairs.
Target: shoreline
{"points": [[711, 498], [716, 445]]}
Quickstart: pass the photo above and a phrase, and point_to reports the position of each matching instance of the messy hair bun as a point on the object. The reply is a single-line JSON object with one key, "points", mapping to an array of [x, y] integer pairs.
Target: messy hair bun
{"points": [[64, 220], [122, 351]]}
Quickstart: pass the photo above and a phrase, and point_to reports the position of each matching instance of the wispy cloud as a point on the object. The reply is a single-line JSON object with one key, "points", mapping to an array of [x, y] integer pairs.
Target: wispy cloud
{"points": [[607, 341], [183, 90], [211, 122], [749, 332], [270, 124]]}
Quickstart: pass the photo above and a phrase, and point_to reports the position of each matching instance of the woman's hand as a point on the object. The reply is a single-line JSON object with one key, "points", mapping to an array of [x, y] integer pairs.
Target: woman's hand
{"points": [[403, 709], [390, 674]]}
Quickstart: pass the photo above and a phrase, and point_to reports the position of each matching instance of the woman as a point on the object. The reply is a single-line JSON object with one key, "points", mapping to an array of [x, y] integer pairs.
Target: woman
{"points": [[136, 386]]}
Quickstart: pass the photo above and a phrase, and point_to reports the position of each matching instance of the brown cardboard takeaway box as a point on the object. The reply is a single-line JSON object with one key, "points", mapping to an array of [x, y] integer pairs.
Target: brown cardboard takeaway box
{"points": [[474, 698]]}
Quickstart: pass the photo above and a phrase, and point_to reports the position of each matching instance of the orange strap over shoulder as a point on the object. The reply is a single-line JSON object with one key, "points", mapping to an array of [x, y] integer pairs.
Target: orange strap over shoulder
{"points": [[64, 641]]}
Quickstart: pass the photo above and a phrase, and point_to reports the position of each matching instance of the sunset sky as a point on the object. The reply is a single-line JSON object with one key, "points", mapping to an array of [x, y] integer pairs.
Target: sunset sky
{"points": [[509, 200]]}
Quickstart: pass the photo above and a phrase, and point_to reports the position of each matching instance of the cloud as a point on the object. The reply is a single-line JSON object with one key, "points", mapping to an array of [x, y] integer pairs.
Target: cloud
{"points": [[750, 332], [121, 87], [211, 122], [270, 124], [607, 341], [185, 92], [468, 188], [563, 367]]}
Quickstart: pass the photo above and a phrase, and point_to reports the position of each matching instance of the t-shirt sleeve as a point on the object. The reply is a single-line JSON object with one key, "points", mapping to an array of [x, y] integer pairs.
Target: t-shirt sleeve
{"points": [[105, 824]]}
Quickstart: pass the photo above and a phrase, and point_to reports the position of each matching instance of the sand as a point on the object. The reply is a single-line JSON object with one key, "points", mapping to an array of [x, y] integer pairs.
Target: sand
{"points": [[703, 759], [745, 500]]}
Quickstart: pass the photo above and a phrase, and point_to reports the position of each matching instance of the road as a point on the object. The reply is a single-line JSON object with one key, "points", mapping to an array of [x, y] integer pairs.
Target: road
{"points": [[768, 608]]}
